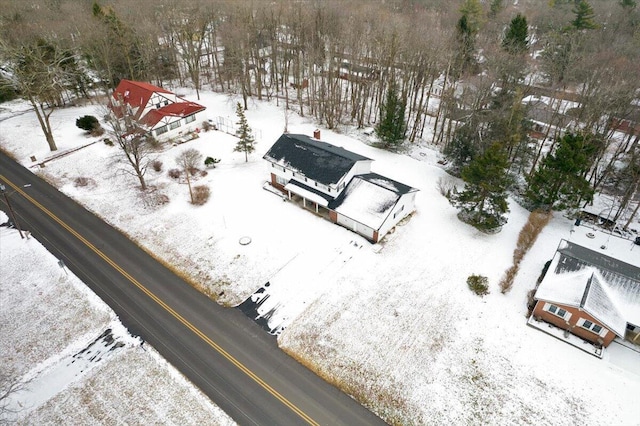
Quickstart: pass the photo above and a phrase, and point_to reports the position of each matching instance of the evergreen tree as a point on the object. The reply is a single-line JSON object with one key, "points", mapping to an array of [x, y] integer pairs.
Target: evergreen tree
{"points": [[466, 39], [516, 39], [467, 29], [585, 17], [246, 140], [628, 4], [559, 183], [496, 7], [392, 127], [483, 202]]}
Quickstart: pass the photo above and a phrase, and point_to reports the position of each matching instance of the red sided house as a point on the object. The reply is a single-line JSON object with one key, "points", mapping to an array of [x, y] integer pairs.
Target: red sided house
{"points": [[340, 182], [590, 295], [161, 112]]}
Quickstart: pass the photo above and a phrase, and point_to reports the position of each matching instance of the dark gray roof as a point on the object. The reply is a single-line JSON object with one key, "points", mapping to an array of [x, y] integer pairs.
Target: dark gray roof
{"points": [[575, 257], [311, 189], [320, 161], [385, 182]]}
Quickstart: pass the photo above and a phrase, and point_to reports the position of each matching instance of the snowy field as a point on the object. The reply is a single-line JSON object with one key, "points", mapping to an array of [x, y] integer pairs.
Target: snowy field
{"points": [[52, 339], [393, 324]]}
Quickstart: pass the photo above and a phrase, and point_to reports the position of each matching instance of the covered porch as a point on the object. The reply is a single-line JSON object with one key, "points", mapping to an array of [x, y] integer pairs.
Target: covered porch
{"points": [[308, 198]]}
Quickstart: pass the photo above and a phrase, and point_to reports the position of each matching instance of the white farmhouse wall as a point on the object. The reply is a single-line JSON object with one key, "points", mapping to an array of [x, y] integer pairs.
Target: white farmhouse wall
{"points": [[359, 168], [184, 126], [405, 206]]}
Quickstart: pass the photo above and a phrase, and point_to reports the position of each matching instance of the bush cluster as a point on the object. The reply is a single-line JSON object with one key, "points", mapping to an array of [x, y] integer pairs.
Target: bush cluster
{"points": [[157, 165], [200, 194], [478, 284], [174, 173], [528, 235]]}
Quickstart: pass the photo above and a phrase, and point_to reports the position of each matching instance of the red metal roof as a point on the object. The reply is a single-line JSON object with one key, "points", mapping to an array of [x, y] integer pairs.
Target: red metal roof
{"points": [[178, 109], [136, 93]]}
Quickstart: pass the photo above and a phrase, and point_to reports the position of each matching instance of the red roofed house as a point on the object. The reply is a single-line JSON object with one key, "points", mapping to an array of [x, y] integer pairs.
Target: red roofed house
{"points": [[164, 114]]}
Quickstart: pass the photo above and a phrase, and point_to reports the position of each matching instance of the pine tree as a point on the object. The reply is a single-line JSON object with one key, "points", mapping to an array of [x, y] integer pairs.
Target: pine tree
{"points": [[392, 127], [559, 183], [495, 7], [585, 17], [246, 142], [467, 29], [483, 202], [515, 40]]}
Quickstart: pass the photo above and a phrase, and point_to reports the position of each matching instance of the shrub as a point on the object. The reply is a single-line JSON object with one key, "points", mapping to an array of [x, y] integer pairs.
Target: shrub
{"points": [[478, 284], [193, 171], [82, 181], [157, 165], [211, 162], [527, 237], [445, 186], [160, 199], [174, 173], [7, 91], [203, 173], [200, 194], [87, 123], [208, 125], [108, 142], [98, 131]]}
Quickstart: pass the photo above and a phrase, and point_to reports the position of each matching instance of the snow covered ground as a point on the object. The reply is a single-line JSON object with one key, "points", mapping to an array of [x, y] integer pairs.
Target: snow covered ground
{"points": [[76, 362], [393, 324]]}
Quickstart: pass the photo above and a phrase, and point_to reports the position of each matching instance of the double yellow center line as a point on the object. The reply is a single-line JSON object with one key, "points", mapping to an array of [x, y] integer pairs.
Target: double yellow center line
{"points": [[166, 307]]}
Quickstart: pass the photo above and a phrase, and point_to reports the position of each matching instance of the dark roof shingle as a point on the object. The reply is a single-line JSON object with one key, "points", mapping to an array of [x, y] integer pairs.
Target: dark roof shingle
{"points": [[320, 161]]}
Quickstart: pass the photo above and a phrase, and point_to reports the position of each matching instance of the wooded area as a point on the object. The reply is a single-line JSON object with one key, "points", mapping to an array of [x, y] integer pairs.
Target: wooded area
{"points": [[344, 62]]}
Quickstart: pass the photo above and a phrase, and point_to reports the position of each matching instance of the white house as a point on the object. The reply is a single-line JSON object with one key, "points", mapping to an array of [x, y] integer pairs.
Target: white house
{"points": [[164, 114], [338, 182]]}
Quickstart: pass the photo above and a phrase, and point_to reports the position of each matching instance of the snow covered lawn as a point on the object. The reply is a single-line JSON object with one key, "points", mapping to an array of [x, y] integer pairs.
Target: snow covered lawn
{"points": [[47, 323], [393, 324]]}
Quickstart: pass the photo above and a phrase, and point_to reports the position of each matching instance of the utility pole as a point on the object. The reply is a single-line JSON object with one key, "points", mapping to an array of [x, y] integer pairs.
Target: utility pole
{"points": [[3, 189]]}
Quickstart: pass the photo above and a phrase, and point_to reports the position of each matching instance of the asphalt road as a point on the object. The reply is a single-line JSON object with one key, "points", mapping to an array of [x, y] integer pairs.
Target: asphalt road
{"points": [[232, 360]]}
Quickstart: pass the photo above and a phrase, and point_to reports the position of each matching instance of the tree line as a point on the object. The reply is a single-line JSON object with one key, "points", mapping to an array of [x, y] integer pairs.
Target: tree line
{"points": [[372, 63]]}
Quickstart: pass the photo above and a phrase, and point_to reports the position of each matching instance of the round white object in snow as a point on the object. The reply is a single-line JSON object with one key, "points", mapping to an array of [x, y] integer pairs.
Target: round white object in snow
{"points": [[244, 241]]}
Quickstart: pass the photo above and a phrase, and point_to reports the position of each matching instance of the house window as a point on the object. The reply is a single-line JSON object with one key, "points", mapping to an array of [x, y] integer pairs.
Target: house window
{"points": [[158, 105], [166, 103], [174, 125], [281, 181], [293, 174], [189, 119], [557, 311], [591, 326], [305, 179], [161, 130]]}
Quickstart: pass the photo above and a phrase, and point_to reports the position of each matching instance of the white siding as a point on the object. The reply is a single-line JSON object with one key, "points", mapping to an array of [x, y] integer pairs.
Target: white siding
{"points": [[359, 228], [405, 205], [359, 168]]}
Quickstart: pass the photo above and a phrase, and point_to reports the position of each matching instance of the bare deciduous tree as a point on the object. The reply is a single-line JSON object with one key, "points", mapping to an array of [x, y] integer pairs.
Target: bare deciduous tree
{"points": [[188, 160], [133, 140]]}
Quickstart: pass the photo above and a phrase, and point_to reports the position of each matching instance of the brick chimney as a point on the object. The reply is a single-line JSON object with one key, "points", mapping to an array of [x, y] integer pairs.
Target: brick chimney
{"points": [[316, 134]]}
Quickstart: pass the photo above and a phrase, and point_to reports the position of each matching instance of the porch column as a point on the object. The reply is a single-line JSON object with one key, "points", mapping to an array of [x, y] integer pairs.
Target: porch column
{"points": [[304, 202], [316, 207]]}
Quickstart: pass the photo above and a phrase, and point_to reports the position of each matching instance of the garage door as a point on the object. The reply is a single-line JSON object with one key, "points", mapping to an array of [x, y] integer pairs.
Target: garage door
{"points": [[361, 229]]}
